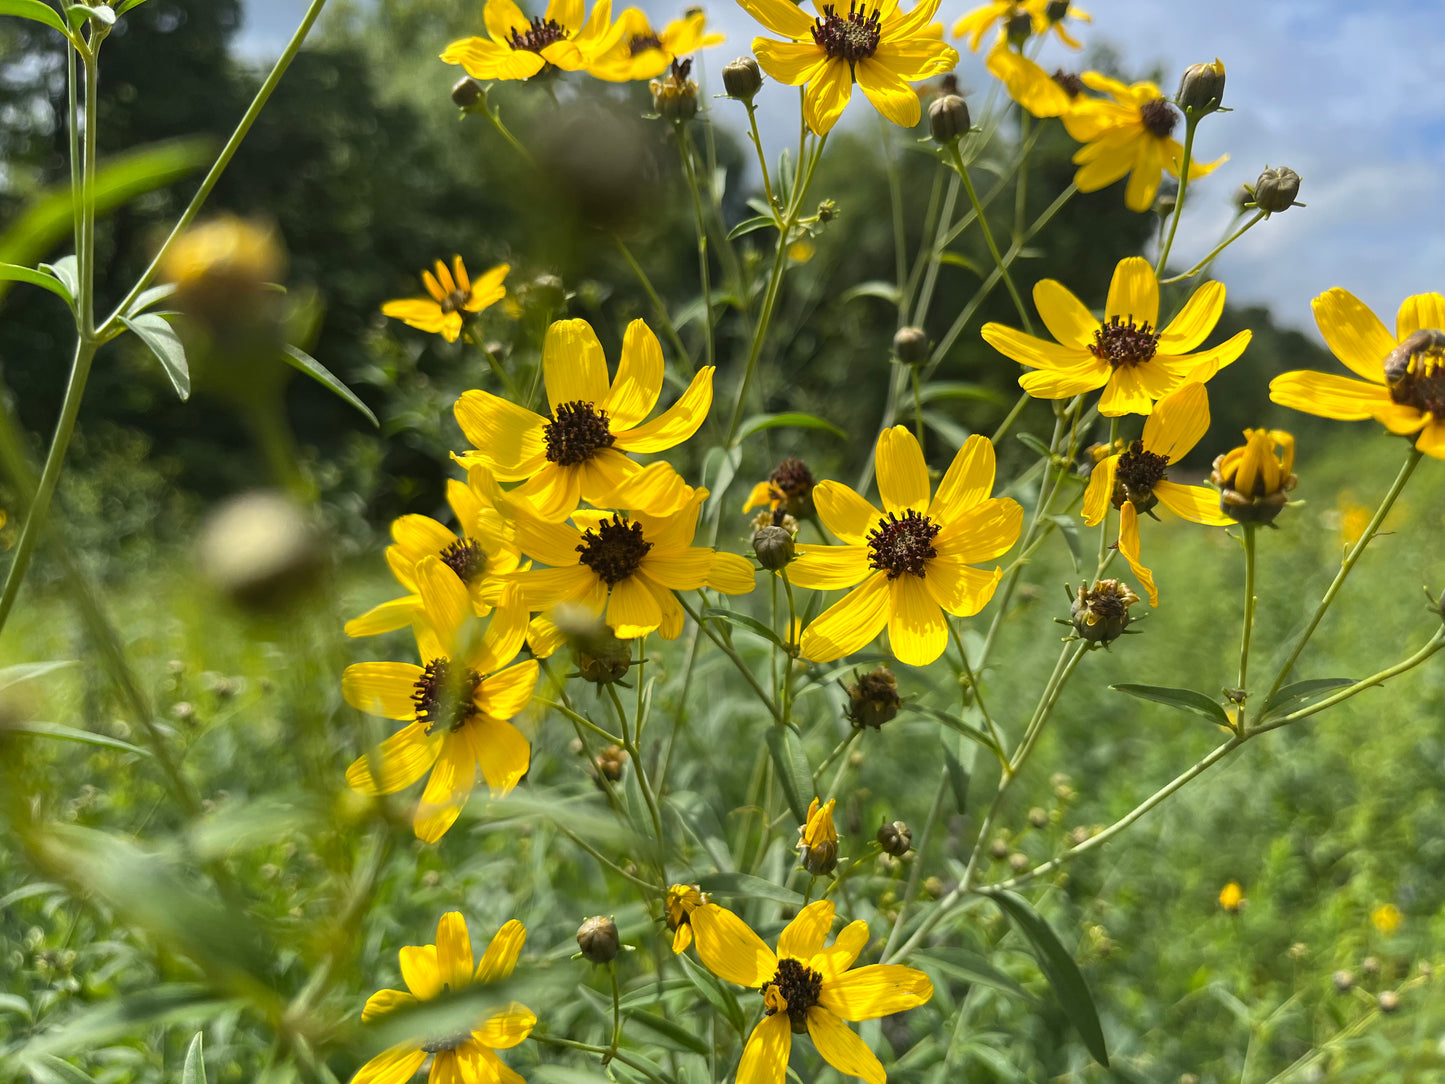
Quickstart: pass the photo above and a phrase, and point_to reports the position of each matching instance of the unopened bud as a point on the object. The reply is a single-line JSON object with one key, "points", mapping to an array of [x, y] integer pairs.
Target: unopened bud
{"points": [[773, 547], [998, 850], [910, 345], [873, 698], [1276, 190], [1038, 817], [1018, 862], [609, 764], [1243, 198], [467, 93], [1201, 90], [742, 79], [948, 118], [895, 838], [827, 211], [1344, 981], [1388, 1001], [597, 938], [821, 858], [1100, 615], [675, 97], [1019, 28]]}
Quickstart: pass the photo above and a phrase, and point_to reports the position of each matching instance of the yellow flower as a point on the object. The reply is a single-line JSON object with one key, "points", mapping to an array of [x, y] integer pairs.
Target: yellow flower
{"points": [[1386, 918], [880, 47], [575, 453], [452, 293], [977, 22], [1036, 90], [682, 901], [1354, 517], [818, 839], [1137, 479], [789, 485], [1133, 134], [520, 47], [627, 566], [806, 987], [456, 704], [1124, 355], [913, 563], [1404, 385], [1254, 481], [1051, 15], [1231, 898], [446, 968], [641, 52]]}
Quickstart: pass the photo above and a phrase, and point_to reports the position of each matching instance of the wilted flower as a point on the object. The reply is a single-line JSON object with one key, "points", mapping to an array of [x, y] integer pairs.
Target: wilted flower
{"points": [[1101, 614], [682, 901], [818, 840], [1254, 481], [789, 485], [895, 838], [872, 698]]}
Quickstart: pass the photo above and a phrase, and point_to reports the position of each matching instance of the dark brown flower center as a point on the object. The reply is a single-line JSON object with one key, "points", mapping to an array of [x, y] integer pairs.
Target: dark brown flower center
{"points": [[466, 558], [792, 478], [640, 43], [852, 37], [455, 301], [1072, 84], [539, 34], [445, 695], [1124, 343], [799, 986], [1415, 372], [1159, 117], [576, 433], [897, 545], [1136, 475], [614, 549]]}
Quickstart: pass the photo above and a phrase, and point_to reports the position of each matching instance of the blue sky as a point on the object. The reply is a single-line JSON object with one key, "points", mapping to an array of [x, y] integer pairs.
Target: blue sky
{"points": [[1350, 95]]}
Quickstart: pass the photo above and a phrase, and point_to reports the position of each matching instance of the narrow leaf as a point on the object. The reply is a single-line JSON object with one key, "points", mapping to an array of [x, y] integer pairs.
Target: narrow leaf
{"points": [[958, 389], [16, 273], [954, 723], [29, 671], [759, 422], [744, 886], [741, 620], [165, 344], [149, 297], [76, 14], [194, 1071], [1183, 699], [748, 225], [35, 11], [958, 756], [1069, 528], [299, 359], [118, 1017], [70, 733], [67, 270], [717, 995], [887, 291], [1300, 693], [1035, 445], [792, 767], [52, 1070], [679, 1036]]}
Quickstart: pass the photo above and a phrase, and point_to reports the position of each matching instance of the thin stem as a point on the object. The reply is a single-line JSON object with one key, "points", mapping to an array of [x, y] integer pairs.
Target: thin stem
{"points": [[85, 253], [1215, 251], [669, 331], [762, 158], [616, 1055], [917, 404], [640, 769], [915, 875], [684, 149], [977, 690], [1242, 686], [1191, 122], [1009, 419], [581, 720], [737, 660], [988, 238], [895, 204], [934, 255], [616, 1014], [495, 117]]}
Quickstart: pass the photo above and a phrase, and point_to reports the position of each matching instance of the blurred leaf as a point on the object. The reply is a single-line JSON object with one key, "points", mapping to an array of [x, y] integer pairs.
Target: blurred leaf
{"points": [[76, 14], [717, 995], [562, 1074], [70, 733], [958, 389], [961, 261], [748, 225], [127, 5], [1299, 694], [954, 723], [1035, 445], [742, 620], [794, 774], [238, 825], [16, 1004], [679, 1035], [16, 273], [149, 297], [1059, 968], [743, 886], [785, 176], [958, 762], [1183, 699], [759, 422], [888, 291], [725, 462], [969, 966], [194, 1071], [299, 359], [36, 11], [165, 344], [49, 1068], [946, 427], [1069, 527], [25, 892], [122, 1017], [67, 270], [29, 671]]}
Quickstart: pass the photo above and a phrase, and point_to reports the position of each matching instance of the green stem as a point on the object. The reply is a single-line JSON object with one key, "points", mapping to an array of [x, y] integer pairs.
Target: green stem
{"points": [[917, 404], [641, 769], [1215, 251], [616, 1014], [737, 660], [1021, 188], [762, 158], [684, 148], [977, 689], [1191, 122], [988, 238], [664, 320], [895, 204], [495, 117], [1242, 686], [915, 875], [591, 1048], [934, 254], [85, 252]]}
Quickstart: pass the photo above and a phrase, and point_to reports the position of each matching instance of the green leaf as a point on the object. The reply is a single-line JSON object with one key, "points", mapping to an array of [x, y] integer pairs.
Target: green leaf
{"points": [[958, 389], [118, 1017], [759, 422], [792, 767], [969, 966], [717, 995], [958, 757], [680, 1036], [299, 359], [67, 270], [149, 297], [1183, 699], [34, 888], [36, 11], [76, 14], [16, 1004], [165, 344], [785, 175], [744, 886], [961, 261], [127, 5], [1035, 445], [194, 1071], [743, 621], [16, 273], [29, 671], [52, 1070], [1299, 694], [748, 225], [887, 291], [1069, 527], [1059, 968], [954, 723], [70, 733]]}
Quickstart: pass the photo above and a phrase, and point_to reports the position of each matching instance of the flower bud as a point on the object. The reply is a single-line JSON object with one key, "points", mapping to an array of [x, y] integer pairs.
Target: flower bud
{"points": [[467, 93], [1019, 28], [1344, 981], [1276, 190], [895, 839], [910, 345], [1243, 198], [1038, 817], [998, 850], [873, 698], [827, 211], [597, 938], [261, 550], [1254, 481], [1370, 965], [1101, 615], [1389, 1001], [608, 764], [742, 79], [1056, 10], [948, 118], [675, 97], [773, 547], [1018, 862], [1201, 90], [818, 839]]}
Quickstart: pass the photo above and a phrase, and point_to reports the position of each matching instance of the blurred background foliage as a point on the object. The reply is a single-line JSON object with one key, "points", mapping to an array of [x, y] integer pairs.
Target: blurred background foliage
{"points": [[369, 174]]}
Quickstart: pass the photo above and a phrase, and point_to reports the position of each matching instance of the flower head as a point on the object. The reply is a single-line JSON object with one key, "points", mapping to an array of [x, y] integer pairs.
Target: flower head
{"points": [[682, 901], [807, 988], [789, 485], [1386, 918], [1124, 355], [577, 451], [446, 968], [456, 704], [452, 294], [1254, 481], [642, 52], [520, 47], [1100, 614], [1404, 374], [1043, 16], [913, 563], [877, 45], [1042, 94], [1137, 479], [1231, 898], [1130, 132], [818, 839]]}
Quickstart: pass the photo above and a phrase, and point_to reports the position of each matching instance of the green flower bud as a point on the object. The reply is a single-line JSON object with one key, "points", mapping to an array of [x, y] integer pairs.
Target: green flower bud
{"points": [[467, 94], [598, 940], [895, 839], [742, 79], [1276, 190], [948, 118], [773, 547], [1201, 89], [675, 97], [1389, 1001], [910, 345], [1101, 615]]}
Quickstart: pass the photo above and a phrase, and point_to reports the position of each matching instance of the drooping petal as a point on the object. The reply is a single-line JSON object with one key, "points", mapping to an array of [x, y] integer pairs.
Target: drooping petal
{"points": [[1129, 547], [573, 365], [1328, 395], [639, 378], [396, 763], [675, 424], [452, 779], [827, 568], [506, 1029], [1133, 293], [500, 1072], [1195, 503], [902, 473], [1195, 320], [1052, 384], [419, 312], [958, 587], [1144, 176], [394, 1066], [1419, 311], [848, 624], [843, 512], [967, 482], [731, 573], [1353, 333], [917, 631], [827, 95], [1178, 423], [1111, 160], [420, 972], [790, 62], [507, 438], [445, 601], [1038, 353], [839, 956], [765, 1058], [866, 993], [1064, 314], [842, 1049], [454, 951], [385, 1001], [985, 531], [730, 949], [381, 688], [888, 92], [1100, 493], [803, 937], [501, 956]]}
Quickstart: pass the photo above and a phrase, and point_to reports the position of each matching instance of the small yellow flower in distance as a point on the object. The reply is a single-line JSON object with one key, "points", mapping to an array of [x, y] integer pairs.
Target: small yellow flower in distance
{"points": [[807, 988], [1231, 898], [818, 839], [452, 294], [1254, 481], [576, 452], [1050, 15], [626, 566], [1131, 132], [912, 564], [1042, 94], [446, 968], [1137, 480], [682, 901], [520, 47], [641, 52], [1124, 355], [1386, 918], [456, 704], [1354, 517], [1404, 374], [1043, 15], [879, 46]]}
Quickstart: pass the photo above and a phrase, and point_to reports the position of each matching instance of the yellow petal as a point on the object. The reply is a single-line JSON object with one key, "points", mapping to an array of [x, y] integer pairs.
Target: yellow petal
{"points": [[677, 423], [1194, 503], [505, 633], [1102, 169], [1353, 333], [917, 631], [544, 638], [1133, 293], [1125, 394], [495, 1070], [765, 1058], [789, 62], [729, 949], [445, 1069], [1328, 395], [501, 18], [1064, 314], [803, 937], [827, 568], [1203, 365], [418, 312], [446, 605], [544, 588], [419, 971], [501, 751], [759, 495], [639, 378], [396, 763], [507, 438], [1100, 493], [454, 951], [552, 494], [1419, 311], [447, 790], [674, 531], [1432, 440], [506, 693], [657, 489], [1129, 547], [888, 92], [842, 1049], [731, 574], [848, 624], [385, 1001], [573, 365], [1027, 83], [920, 57], [985, 531], [395, 1066], [968, 481], [780, 17], [1195, 320], [681, 570], [845, 513], [902, 473], [672, 616], [1178, 423], [501, 956], [507, 1028], [603, 474], [839, 956], [1049, 384], [486, 60], [827, 95], [381, 688], [1039, 353], [960, 589], [681, 938], [1145, 175], [632, 610], [866, 993], [420, 536]]}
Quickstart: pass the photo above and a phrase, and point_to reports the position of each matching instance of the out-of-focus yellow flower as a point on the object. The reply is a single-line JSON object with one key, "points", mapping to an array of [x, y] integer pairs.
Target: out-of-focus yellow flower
{"points": [[801, 251], [1386, 918], [806, 987], [1130, 132], [1043, 15], [446, 968], [1231, 898], [223, 269], [789, 485], [452, 294], [1042, 94], [1254, 481], [642, 52], [1123, 355], [1137, 480], [1354, 518], [880, 47], [519, 47], [682, 901], [1404, 374], [1050, 15], [914, 563], [818, 839]]}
